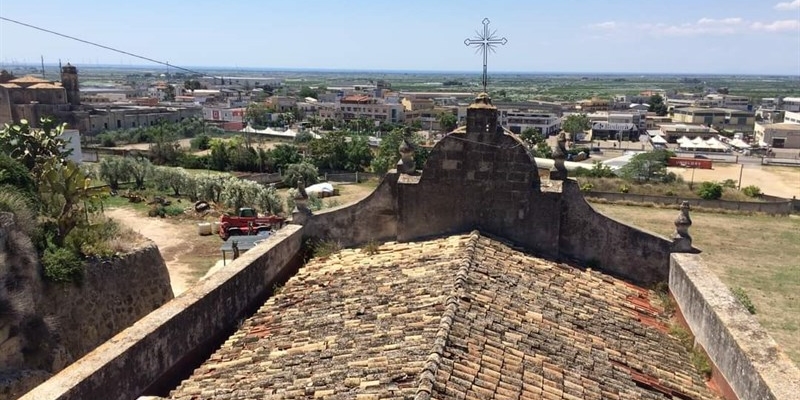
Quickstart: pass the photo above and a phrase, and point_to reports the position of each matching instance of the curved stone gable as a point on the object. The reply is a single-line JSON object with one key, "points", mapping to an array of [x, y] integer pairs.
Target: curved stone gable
{"points": [[480, 179]]}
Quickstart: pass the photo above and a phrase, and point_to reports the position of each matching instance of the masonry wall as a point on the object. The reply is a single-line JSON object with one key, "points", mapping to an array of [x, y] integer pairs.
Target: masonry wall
{"points": [[112, 296], [481, 180], [130, 362], [370, 219], [777, 207], [622, 250], [740, 348]]}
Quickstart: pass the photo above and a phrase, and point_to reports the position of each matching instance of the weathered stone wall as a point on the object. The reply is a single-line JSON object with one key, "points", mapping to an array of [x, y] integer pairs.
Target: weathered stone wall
{"points": [[112, 296], [130, 362], [616, 248], [740, 348], [370, 219], [481, 180]]}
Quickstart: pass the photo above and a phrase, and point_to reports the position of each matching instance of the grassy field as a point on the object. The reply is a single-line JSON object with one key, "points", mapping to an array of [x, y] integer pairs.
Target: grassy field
{"points": [[760, 254]]}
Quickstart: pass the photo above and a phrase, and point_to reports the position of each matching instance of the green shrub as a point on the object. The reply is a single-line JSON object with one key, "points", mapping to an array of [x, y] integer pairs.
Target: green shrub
{"points": [[15, 174], [19, 203], [326, 248], [710, 191], [92, 240], [751, 191], [743, 298], [158, 210], [587, 187], [201, 142], [62, 265], [107, 140], [729, 183], [624, 189], [314, 203], [371, 248]]}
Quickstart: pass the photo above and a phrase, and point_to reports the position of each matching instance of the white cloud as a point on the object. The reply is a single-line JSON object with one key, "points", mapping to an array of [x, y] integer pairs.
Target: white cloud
{"points": [[793, 5], [703, 26], [608, 25], [787, 25]]}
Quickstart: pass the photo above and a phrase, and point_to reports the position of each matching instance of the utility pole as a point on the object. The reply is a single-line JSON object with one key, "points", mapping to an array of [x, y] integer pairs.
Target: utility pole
{"points": [[741, 169], [43, 77]]}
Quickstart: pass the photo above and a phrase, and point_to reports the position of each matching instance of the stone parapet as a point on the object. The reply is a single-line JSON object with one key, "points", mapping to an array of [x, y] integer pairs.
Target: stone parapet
{"points": [[740, 348]]}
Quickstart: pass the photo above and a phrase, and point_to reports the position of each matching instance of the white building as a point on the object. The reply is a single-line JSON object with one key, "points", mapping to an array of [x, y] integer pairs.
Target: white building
{"points": [[783, 135], [791, 104], [519, 120]]}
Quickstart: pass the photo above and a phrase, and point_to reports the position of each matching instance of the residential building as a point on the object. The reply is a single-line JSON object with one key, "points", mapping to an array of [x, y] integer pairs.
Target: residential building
{"points": [[592, 105], [791, 117], [130, 116], [361, 106], [243, 82], [730, 101], [719, 118], [516, 120], [672, 132], [282, 104], [791, 104], [782, 135], [636, 117], [654, 121]]}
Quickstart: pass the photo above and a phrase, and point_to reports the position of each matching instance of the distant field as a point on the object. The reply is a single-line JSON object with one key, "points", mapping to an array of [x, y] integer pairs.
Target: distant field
{"points": [[760, 254]]}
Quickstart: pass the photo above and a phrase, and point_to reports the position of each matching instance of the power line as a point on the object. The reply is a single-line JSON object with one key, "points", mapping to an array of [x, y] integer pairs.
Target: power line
{"points": [[101, 46]]}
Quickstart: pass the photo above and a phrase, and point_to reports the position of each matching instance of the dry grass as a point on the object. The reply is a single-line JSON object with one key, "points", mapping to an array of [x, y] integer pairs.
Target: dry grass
{"points": [[760, 254]]}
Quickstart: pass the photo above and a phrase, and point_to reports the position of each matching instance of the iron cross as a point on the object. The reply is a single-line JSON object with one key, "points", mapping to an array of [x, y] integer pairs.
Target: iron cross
{"points": [[485, 42]]}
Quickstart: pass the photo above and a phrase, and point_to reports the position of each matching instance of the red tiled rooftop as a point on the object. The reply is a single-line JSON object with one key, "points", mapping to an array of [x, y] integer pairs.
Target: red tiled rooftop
{"points": [[459, 317]]}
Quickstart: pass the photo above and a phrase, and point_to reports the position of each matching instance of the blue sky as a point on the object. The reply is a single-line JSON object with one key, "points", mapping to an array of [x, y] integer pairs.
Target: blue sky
{"points": [[678, 36]]}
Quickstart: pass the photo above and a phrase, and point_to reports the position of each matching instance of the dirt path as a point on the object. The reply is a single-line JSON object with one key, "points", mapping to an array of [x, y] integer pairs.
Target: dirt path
{"points": [[170, 239]]}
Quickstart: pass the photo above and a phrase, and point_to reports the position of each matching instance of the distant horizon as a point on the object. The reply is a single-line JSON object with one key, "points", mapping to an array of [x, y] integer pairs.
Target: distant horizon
{"points": [[685, 37], [201, 68]]}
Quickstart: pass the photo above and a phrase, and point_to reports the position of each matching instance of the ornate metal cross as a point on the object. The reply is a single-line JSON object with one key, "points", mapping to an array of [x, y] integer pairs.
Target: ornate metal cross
{"points": [[485, 42]]}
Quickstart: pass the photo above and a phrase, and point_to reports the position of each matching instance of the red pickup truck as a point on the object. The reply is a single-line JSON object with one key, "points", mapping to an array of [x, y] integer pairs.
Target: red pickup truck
{"points": [[247, 222]]}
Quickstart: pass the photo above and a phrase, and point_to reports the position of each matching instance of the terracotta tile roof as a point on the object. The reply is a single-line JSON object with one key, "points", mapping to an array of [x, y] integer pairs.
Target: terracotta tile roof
{"points": [[10, 85], [29, 79], [459, 317], [47, 85]]}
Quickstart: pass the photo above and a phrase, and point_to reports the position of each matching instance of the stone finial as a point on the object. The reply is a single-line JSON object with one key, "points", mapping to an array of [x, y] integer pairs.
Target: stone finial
{"points": [[559, 170], [681, 240], [406, 165]]}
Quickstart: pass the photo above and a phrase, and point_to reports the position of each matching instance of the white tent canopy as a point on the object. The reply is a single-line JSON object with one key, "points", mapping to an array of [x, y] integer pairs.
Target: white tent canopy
{"points": [[658, 140], [739, 144], [683, 139], [715, 144], [273, 132]]}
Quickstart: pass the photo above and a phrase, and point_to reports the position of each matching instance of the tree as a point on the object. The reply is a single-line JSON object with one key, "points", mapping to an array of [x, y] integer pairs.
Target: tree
{"points": [[66, 197], [172, 178], [575, 123], [327, 124], [330, 151], [358, 155], [447, 121], [649, 166], [285, 154], [114, 170], [169, 93], [33, 147], [388, 152], [656, 103], [306, 91], [140, 169], [192, 84], [238, 193], [303, 137], [209, 187], [295, 172], [269, 201], [257, 115], [536, 143]]}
